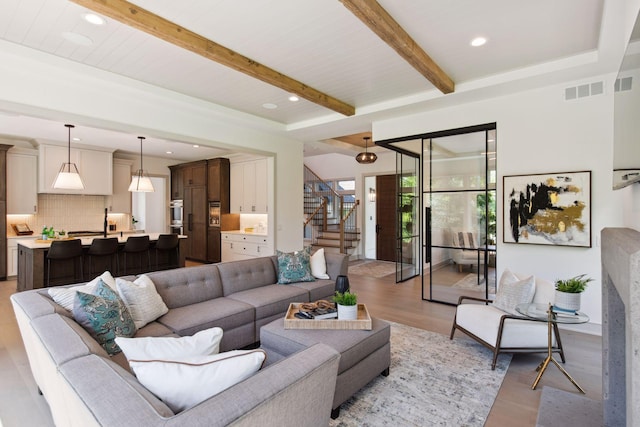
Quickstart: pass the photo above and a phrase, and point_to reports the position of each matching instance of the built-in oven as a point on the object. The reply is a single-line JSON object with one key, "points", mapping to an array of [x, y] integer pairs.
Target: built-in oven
{"points": [[176, 213], [214, 214], [176, 229]]}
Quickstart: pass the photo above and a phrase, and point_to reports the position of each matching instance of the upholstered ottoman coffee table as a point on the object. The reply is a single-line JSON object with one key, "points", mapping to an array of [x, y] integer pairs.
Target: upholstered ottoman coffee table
{"points": [[364, 354]]}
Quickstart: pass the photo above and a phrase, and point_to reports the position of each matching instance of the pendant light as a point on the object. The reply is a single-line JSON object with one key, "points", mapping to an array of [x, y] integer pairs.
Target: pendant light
{"points": [[366, 157], [68, 177], [140, 182]]}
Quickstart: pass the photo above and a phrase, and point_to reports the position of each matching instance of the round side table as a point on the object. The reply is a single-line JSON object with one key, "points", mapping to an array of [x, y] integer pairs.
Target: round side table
{"points": [[551, 315]]}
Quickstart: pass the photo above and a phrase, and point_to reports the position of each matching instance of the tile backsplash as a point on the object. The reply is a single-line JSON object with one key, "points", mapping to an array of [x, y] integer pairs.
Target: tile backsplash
{"points": [[69, 212]]}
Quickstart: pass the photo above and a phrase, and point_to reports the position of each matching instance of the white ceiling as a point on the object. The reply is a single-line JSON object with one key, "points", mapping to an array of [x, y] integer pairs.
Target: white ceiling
{"points": [[318, 42]]}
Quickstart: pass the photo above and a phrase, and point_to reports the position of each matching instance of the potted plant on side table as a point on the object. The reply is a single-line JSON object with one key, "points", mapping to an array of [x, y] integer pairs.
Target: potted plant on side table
{"points": [[568, 292], [347, 305]]}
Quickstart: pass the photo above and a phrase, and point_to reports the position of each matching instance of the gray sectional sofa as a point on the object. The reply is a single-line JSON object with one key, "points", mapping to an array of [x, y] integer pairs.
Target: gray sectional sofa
{"points": [[86, 387]]}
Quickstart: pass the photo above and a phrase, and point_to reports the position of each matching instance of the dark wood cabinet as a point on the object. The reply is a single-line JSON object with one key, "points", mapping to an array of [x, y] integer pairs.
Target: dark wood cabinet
{"points": [[197, 184], [195, 174], [195, 225], [177, 182], [214, 251], [3, 210]]}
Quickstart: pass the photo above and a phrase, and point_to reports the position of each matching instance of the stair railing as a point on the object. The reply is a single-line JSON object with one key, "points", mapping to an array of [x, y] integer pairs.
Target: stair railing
{"points": [[319, 195]]}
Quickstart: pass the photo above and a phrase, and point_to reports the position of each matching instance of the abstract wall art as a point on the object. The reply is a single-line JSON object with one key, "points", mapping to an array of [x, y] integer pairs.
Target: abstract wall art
{"points": [[548, 209]]}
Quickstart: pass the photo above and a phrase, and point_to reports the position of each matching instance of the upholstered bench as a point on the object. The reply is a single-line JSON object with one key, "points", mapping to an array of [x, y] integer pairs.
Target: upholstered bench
{"points": [[363, 354]]}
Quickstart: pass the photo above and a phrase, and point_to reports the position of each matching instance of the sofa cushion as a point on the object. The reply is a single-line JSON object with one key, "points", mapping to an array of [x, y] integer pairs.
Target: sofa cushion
{"points": [[272, 299], [319, 265], [294, 266], [203, 343], [223, 312], [184, 382], [142, 299], [247, 274], [189, 285], [65, 296], [104, 316], [513, 291]]}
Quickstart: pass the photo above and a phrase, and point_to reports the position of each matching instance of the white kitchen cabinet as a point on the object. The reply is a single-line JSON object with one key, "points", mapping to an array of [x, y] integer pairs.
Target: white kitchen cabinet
{"points": [[120, 200], [249, 187], [22, 182], [237, 246], [95, 168]]}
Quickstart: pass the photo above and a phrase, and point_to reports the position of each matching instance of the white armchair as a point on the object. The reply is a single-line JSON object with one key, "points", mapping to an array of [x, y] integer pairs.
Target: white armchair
{"points": [[468, 254], [506, 331]]}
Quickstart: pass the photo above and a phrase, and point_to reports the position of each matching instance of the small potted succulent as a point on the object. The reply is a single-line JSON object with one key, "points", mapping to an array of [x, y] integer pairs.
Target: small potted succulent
{"points": [[347, 305], [568, 292]]}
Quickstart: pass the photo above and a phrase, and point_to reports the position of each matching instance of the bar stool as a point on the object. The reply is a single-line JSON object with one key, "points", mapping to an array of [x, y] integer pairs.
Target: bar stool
{"points": [[65, 250], [137, 245], [103, 248], [167, 243]]}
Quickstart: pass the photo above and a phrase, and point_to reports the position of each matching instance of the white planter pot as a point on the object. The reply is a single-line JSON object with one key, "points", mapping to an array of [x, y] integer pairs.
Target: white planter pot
{"points": [[347, 312], [567, 301]]}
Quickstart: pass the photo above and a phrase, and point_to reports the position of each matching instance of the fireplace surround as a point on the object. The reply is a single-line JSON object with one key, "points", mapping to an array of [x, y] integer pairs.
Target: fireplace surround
{"points": [[621, 326]]}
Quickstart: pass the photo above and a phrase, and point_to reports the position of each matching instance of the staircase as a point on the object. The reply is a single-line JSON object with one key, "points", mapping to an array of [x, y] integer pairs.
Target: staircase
{"points": [[330, 220]]}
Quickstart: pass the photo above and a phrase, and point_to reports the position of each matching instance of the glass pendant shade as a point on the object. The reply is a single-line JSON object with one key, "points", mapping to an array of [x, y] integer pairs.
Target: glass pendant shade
{"points": [[140, 182], [68, 177], [366, 157]]}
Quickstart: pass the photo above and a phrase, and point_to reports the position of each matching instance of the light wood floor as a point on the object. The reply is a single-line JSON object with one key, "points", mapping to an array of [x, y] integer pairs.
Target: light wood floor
{"points": [[516, 404]]}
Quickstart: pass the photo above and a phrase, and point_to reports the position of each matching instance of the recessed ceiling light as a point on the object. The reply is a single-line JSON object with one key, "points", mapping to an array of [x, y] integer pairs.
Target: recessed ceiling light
{"points": [[294, 98], [196, 146], [478, 41], [269, 106], [169, 152], [94, 19], [75, 138], [77, 38]]}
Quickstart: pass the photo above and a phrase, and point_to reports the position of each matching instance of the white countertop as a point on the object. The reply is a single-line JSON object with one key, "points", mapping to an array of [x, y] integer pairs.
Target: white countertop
{"points": [[31, 243], [244, 233]]}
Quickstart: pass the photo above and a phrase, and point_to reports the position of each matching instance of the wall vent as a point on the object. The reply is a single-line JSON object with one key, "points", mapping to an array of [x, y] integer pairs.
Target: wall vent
{"points": [[582, 91], [623, 84]]}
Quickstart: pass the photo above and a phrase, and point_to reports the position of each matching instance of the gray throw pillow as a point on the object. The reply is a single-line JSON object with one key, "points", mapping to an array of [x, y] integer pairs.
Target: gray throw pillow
{"points": [[513, 291]]}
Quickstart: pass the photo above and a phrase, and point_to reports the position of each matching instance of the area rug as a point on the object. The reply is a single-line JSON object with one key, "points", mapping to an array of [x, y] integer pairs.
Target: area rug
{"points": [[373, 268], [470, 282], [559, 407], [433, 381]]}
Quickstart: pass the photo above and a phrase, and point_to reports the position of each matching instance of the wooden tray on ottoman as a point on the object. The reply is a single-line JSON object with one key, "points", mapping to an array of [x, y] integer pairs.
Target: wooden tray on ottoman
{"points": [[362, 322]]}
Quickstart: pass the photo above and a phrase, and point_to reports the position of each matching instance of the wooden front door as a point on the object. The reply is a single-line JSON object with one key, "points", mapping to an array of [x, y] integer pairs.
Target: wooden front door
{"points": [[386, 217]]}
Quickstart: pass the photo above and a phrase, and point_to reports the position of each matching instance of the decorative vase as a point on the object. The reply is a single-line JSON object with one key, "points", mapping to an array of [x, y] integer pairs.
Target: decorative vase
{"points": [[347, 312], [342, 284], [567, 301]]}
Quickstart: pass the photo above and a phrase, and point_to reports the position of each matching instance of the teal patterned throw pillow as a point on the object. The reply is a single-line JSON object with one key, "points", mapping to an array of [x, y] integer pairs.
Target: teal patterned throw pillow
{"points": [[295, 266], [105, 316]]}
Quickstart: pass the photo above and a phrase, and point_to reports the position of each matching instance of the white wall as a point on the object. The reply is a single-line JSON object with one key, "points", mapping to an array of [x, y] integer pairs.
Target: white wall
{"points": [[538, 132]]}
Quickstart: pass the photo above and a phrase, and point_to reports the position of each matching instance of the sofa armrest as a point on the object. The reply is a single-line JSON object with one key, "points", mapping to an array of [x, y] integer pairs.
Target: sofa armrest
{"points": [[337, 264], [299, 387]]}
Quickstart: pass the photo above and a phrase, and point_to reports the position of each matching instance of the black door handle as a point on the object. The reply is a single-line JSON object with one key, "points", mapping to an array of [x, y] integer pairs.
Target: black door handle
{"points": [[378, 228]]}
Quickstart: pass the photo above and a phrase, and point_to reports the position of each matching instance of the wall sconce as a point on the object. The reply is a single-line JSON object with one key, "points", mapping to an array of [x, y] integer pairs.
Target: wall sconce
{"points": [[372, 194]]}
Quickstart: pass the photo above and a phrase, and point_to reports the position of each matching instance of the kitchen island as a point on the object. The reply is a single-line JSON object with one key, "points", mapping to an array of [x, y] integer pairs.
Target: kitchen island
{"points": [[32, 265]]}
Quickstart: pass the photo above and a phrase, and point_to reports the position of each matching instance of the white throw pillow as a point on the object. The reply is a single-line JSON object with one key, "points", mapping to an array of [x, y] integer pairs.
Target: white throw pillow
{"points": [[319, 265], [513, 291], [182, 384], [66, 296], [142, 299], [203, 343]]}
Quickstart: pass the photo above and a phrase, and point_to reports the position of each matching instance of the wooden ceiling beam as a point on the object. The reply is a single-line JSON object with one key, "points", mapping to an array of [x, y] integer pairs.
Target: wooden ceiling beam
{"points": [[143, 20], [380, 22]]}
